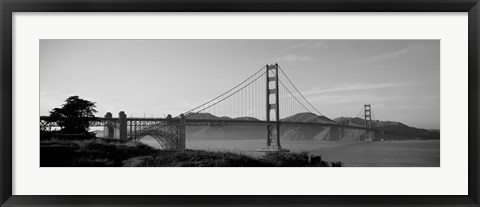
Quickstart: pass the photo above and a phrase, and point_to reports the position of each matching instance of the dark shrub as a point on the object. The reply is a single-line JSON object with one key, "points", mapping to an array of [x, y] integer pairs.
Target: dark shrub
{"points": [[87, 153], [302, 159], [116, 153], [336, 164]]}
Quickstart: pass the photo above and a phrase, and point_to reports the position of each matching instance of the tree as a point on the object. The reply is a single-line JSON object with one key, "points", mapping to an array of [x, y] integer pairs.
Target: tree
{"points": [[74, 116]]}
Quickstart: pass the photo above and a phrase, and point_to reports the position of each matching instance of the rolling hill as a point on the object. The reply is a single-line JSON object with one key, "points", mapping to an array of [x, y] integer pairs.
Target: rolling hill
{"points": [[391, 130]]}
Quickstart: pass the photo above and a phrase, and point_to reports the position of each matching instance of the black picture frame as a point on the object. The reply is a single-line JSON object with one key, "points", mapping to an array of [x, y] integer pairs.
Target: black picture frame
{"points": [[7, 7]]}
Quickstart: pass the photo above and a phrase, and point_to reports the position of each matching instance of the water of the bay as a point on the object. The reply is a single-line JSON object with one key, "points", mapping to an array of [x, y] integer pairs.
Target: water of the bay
{"points": [[411, 153]]}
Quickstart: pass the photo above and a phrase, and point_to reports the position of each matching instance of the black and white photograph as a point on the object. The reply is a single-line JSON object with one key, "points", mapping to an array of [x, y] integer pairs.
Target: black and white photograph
{"points": [[239, 103]]}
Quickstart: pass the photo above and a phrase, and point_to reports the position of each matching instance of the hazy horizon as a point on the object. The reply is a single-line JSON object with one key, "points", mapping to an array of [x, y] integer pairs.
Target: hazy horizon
{"points": [[399, 78]]}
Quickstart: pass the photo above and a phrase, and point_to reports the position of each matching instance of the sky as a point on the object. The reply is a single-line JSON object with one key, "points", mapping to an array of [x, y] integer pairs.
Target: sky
{"points": [[399, 78]]}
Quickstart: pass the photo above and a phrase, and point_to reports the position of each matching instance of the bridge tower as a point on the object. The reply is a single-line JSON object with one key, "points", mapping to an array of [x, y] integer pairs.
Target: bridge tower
{"points": [[273, 128], [369, 136]]}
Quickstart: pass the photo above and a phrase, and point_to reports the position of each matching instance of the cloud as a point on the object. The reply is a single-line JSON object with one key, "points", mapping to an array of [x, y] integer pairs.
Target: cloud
{"points": [[318, 94], [410, 107], [385, 56], [379, 100], [421, 48], [291, 57], [308, 44], [358, 86], [49, 93], [319, 44]]}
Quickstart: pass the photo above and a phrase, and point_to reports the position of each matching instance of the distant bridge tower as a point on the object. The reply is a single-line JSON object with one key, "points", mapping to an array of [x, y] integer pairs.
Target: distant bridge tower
{"points": [[369, 136], [273, 129]]}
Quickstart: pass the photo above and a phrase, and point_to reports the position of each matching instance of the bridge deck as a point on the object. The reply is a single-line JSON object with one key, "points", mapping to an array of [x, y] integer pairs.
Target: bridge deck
{"points": [[233, 122], [215, 122]]}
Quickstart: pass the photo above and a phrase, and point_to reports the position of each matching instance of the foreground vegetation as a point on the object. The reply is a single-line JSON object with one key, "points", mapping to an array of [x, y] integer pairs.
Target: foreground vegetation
{"points": [[115, 153], [74, 146]]}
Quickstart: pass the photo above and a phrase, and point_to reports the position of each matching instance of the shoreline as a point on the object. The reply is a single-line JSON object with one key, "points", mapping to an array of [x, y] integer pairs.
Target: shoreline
{"points": [[115, 153]]}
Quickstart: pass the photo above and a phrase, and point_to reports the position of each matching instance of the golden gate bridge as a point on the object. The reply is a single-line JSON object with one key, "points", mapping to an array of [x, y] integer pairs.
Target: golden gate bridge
{"points": [[266, 98]]}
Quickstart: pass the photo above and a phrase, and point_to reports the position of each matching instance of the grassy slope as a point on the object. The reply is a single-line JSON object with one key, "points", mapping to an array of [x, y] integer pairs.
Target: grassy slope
{"points": [[114, 153]]}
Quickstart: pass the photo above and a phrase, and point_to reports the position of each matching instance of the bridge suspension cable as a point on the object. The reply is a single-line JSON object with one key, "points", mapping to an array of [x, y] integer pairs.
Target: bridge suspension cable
{"points": [[240, 101], [206, 104], [248, 98], [281, 82], [291, 83], [359, 113], [373, 115], [238, 91], [225, 107]]}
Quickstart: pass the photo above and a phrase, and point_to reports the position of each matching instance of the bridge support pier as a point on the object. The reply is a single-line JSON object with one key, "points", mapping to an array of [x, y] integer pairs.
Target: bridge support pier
{"points": [[181, 143], [108, 129], [122, 122]]}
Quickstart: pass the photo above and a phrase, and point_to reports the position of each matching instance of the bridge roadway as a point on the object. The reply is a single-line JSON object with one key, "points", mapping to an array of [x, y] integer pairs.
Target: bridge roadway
{"points": [[234, 122], [212, 122]]}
